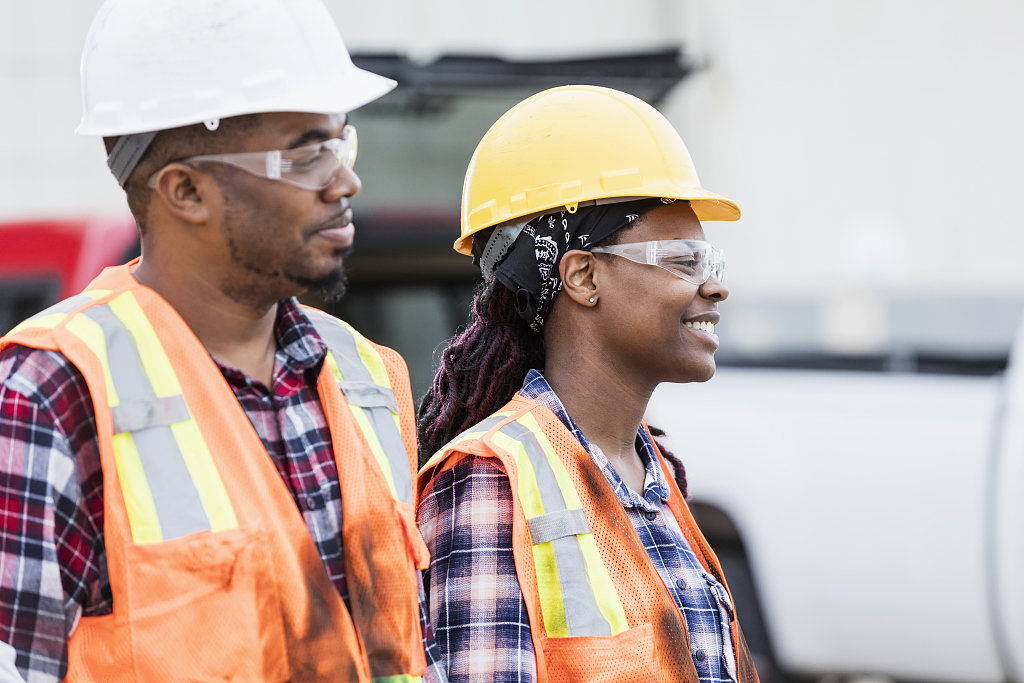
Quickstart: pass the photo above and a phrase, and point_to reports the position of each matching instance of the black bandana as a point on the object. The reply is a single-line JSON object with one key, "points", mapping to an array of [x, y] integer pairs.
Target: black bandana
{"points": [[530, 269]]}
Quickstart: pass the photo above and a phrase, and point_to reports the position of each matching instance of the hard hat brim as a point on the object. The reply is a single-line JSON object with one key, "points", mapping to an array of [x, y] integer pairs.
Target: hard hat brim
{"points": [[360, 88], [707, 206]]}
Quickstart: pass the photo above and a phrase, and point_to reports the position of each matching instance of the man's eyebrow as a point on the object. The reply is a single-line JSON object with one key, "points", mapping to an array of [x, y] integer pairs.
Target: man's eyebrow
{"points": [[314, 135], [309, 137]]}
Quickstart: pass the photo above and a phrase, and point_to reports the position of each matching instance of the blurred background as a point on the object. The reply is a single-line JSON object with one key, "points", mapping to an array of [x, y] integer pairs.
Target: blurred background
{"points": [[874, 146]]}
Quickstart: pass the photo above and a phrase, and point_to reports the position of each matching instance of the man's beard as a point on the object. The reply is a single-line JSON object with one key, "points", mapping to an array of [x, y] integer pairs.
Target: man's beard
{"points": [[331, 287]]}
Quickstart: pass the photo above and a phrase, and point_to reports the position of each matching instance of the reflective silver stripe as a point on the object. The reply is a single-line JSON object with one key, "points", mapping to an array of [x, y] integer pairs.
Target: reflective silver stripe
{"points": [[132, 416], [64, 307], [368, 395], [481, 427], [582, 615], [379, 408], [558, 524], [178, 506]]}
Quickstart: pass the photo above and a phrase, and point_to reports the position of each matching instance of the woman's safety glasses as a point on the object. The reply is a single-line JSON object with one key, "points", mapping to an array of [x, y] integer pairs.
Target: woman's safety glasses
{"points": [[692, 260], [311, 167]]}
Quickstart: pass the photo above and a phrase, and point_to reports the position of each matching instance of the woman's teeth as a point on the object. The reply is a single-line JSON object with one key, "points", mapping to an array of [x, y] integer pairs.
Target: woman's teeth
{"points": [[705, 326]]}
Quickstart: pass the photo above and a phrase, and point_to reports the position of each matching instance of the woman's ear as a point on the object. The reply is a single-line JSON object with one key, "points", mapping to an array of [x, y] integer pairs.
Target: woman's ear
{"points": [[579, 277], [179, 187]]}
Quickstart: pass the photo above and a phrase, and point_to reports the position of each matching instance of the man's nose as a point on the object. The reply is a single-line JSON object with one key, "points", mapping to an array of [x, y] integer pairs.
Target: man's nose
{"points": [[344, 183]]}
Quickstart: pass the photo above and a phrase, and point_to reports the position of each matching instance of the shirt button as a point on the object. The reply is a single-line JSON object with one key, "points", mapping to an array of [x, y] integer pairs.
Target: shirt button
{"points": [[681, 583], [314, 502], [699, 655], [650, 516]]}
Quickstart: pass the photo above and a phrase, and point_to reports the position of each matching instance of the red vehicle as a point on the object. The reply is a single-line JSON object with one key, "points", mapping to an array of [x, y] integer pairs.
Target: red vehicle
{"points": [[43, 261]]}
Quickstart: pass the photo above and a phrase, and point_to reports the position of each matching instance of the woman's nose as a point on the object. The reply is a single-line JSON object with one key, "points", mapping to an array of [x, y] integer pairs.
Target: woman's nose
{"points": [[714, 289]]}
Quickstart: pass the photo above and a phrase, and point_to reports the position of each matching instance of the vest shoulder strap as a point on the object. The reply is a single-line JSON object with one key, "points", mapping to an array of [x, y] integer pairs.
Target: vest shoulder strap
{"points": [[51, 318], [576, 592], [363, 378], [170, 483]]}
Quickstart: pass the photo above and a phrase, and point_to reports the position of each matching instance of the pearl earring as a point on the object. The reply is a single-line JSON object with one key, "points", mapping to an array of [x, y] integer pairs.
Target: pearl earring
{"points": [[591, 299]]}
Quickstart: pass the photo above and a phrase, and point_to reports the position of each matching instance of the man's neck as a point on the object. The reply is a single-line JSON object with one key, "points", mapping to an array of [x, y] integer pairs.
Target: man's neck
{"points": [[237, 334]]}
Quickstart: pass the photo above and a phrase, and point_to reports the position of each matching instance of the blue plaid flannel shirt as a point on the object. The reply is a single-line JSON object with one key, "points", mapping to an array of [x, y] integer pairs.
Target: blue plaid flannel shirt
{"points": [[476, 605]]}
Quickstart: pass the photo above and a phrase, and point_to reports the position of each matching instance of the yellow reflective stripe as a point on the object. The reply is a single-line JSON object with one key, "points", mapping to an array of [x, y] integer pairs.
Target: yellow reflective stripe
{"points": [[379, 373], [367, 429], [151, 352], [92, 336], [549, 589], [370, 357], [399, 678], [138, 498], [378, 452], [205, 477], [569, 493], [46, 322], [601, 583], [597, 573], [475, 432]]}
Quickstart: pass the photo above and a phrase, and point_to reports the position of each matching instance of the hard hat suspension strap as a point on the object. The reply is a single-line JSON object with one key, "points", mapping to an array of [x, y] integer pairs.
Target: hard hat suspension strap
{"points": [[126, 154]]}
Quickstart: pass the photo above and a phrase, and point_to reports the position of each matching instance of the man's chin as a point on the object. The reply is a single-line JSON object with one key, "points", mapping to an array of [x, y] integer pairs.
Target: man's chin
{"points": [[330, 288]]}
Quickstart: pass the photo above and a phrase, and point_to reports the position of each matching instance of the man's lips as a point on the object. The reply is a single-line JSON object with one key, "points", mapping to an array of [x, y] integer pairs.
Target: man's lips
{"points": [[338, 230]]}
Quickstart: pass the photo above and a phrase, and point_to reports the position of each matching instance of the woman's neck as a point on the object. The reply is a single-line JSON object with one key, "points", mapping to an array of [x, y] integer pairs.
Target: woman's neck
{"points": [[605, 405]]}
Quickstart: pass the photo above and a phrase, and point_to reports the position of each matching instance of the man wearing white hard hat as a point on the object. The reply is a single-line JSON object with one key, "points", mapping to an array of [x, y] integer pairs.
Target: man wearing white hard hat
{"points": [[204, 480]]}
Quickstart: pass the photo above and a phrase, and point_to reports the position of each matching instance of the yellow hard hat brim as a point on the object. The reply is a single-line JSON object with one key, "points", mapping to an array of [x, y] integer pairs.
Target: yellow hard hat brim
{"points": [[707, 206]]}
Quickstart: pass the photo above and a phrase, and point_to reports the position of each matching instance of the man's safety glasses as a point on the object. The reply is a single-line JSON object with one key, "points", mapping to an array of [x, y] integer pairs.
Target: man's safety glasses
{"points": [[312, 167], [692, 260]]}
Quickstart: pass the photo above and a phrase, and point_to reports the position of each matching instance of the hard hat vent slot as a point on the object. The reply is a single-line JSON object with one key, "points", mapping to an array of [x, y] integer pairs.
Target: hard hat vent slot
{"points": [[623, 179], [548, 195]]}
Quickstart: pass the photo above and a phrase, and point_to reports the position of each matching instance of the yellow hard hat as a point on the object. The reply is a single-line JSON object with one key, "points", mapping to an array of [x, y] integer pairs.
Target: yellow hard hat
{"points": [[574, 144]]}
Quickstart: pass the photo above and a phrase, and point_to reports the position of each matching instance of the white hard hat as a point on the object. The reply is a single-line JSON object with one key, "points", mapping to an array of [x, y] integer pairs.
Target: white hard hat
{"points": [[149, 65]]}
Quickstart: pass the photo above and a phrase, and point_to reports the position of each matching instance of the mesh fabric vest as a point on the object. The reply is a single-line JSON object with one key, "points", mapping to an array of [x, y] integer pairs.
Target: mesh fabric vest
{"points": [[213, 572], [598, 609]]}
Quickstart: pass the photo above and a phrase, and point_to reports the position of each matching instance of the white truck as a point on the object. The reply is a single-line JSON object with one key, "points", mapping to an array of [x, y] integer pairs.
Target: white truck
{"points": [[871, 523]]}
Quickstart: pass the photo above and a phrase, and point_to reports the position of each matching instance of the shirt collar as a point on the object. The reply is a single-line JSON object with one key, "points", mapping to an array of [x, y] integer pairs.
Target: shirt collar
{"points": [[296, 336]]}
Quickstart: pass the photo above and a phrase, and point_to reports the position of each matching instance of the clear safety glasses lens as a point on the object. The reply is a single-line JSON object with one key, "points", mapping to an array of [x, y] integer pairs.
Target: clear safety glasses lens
{"points": [[312, 167], [692, 260]]}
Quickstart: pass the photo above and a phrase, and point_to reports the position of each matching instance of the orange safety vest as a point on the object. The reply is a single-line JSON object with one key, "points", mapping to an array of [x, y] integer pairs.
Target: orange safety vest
{"points": [[214, 574], [598, 609]]}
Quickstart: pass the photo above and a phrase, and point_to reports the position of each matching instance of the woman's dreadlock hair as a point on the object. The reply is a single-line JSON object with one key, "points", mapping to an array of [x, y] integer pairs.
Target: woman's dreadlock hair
{"points": [[678, 470], [481, 369]]}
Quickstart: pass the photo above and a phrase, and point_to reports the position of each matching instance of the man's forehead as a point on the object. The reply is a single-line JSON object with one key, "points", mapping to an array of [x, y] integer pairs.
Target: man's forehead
{"points": [[280, 130], [299, 122]]}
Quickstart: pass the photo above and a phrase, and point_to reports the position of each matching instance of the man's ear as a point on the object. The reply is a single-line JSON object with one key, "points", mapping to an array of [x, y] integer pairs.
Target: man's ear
{"points": [[579, 279], [181, 188]]}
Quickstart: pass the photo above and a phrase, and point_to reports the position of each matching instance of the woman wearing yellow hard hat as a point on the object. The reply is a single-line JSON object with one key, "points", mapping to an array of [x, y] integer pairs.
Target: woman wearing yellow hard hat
{"points": [[562, 547]]}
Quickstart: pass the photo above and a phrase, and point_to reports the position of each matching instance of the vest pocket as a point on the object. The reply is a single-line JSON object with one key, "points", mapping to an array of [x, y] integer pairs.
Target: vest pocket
{"points": [[205, 607], [624, 658]]}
